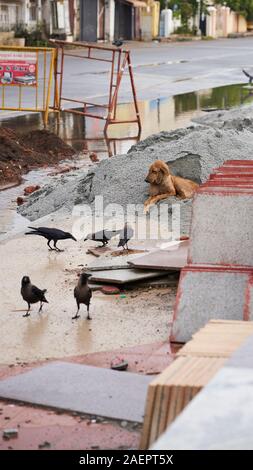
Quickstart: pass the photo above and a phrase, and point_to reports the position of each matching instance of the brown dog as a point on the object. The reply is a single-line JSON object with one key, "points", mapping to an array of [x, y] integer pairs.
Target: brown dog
{"points": [[163, 184]]}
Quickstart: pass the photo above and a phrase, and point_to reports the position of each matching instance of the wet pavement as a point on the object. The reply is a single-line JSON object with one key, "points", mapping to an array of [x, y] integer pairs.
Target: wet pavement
{"points": [[48, 429], [117, 321]]}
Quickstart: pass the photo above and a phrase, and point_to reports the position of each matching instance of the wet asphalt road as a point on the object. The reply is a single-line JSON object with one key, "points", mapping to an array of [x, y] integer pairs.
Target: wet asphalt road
{"points": [[160, 70]]}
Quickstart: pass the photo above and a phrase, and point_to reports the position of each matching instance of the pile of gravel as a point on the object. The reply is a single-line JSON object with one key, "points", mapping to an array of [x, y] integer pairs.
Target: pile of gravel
{"points": [[192, 153], [239, 118]]}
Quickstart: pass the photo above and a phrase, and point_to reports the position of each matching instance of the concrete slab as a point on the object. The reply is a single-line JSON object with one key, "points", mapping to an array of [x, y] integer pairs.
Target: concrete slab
{"points": [[209, 292], [209, 421], [168, 259], [123, 276], [219, 418], [218, 238], [83, 389]]}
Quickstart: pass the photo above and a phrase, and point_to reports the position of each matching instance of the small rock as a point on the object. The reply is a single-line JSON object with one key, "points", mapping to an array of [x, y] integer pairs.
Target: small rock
{"points": [[20, 200], [31, 189], [119, 363], [123, 424], [110, 290], [93, 157], [44, 445], [10, 433]]}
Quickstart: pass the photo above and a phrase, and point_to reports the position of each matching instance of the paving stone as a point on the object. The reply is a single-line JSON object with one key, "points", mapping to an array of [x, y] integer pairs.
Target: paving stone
{"points": [[124, 276], [80, 388]]}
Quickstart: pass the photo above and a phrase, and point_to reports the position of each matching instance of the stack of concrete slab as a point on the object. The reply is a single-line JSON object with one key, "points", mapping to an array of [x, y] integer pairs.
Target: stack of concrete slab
{"points": [[195, 365], [217, 282], [220, 416]]}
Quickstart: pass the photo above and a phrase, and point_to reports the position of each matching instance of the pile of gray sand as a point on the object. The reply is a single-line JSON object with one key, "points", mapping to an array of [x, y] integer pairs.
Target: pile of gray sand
{"points": [[191, 153]]}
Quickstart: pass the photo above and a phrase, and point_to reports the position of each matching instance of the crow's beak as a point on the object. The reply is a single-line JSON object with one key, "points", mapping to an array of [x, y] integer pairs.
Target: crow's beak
{"points": [[74, 238]]}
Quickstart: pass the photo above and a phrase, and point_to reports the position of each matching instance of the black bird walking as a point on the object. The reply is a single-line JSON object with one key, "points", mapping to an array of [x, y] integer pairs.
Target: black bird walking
{"points": [[32, 294], [102, 236], [125, 235], [118, 43], [249, 76], [51, 234], [82, 294]]}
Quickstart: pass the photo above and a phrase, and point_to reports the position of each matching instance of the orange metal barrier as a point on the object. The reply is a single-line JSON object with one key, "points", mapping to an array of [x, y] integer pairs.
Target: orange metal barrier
{"points": [[119, 62]]}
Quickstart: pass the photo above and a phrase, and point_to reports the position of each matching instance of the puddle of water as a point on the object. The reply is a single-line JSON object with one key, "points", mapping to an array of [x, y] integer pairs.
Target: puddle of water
{"points": [[163, 114], [86, 135]]}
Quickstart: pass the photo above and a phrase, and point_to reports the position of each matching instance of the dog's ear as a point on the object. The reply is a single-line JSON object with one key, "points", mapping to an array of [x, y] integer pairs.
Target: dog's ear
{"points": [[165, 169]]}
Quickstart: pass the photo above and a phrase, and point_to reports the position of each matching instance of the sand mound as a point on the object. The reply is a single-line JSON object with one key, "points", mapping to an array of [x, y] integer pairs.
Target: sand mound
{"points": [[191, 152]]}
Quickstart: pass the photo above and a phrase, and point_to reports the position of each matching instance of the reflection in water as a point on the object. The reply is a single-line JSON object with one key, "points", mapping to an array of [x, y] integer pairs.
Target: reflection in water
{"points": [[84, 338], [37, 326], [162, 114]]}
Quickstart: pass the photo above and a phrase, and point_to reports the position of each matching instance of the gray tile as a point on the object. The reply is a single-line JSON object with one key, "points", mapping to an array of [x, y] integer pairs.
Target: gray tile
{"points": [[123, 276], [80, 388], [173, 259]]}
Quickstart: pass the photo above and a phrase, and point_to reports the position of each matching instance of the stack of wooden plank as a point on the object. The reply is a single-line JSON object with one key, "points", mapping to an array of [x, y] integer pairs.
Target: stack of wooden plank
{"points": [[195, 365]]}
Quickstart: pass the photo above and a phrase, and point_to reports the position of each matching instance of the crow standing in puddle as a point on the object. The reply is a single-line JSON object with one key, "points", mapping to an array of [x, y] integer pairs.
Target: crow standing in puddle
{"points": [[82, 294], [51, 234], [32, 294]]}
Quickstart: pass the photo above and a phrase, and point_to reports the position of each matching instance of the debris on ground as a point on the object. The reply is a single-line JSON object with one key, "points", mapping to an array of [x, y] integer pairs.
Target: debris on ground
{"points": [[119, 363], [128, 252], [93, 157], [44, 445], [10, 433], [98, 251], [110, 290], [31, 189], [20, 200], [21, 152]]}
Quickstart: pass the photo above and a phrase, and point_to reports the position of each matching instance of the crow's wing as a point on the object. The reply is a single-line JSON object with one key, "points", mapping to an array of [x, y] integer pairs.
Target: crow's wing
{"points": [[89, 294], [50, 232], [108, 234], [38, 292]]}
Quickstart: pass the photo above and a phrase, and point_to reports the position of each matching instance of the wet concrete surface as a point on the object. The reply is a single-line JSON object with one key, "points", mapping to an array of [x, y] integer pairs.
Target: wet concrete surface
{"points": [[117, 321], [49, 429]]}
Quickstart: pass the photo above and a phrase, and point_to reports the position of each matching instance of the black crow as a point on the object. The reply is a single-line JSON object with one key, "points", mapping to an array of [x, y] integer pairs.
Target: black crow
{"points": [[51, 234], [32, 294], [102, 236], [125, 235], [118, 43], [82, 294], [250, 76]]}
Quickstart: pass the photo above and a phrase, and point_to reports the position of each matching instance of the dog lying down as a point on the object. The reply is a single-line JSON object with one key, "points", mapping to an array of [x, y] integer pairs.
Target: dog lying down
{"points": [[163, 184]]}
